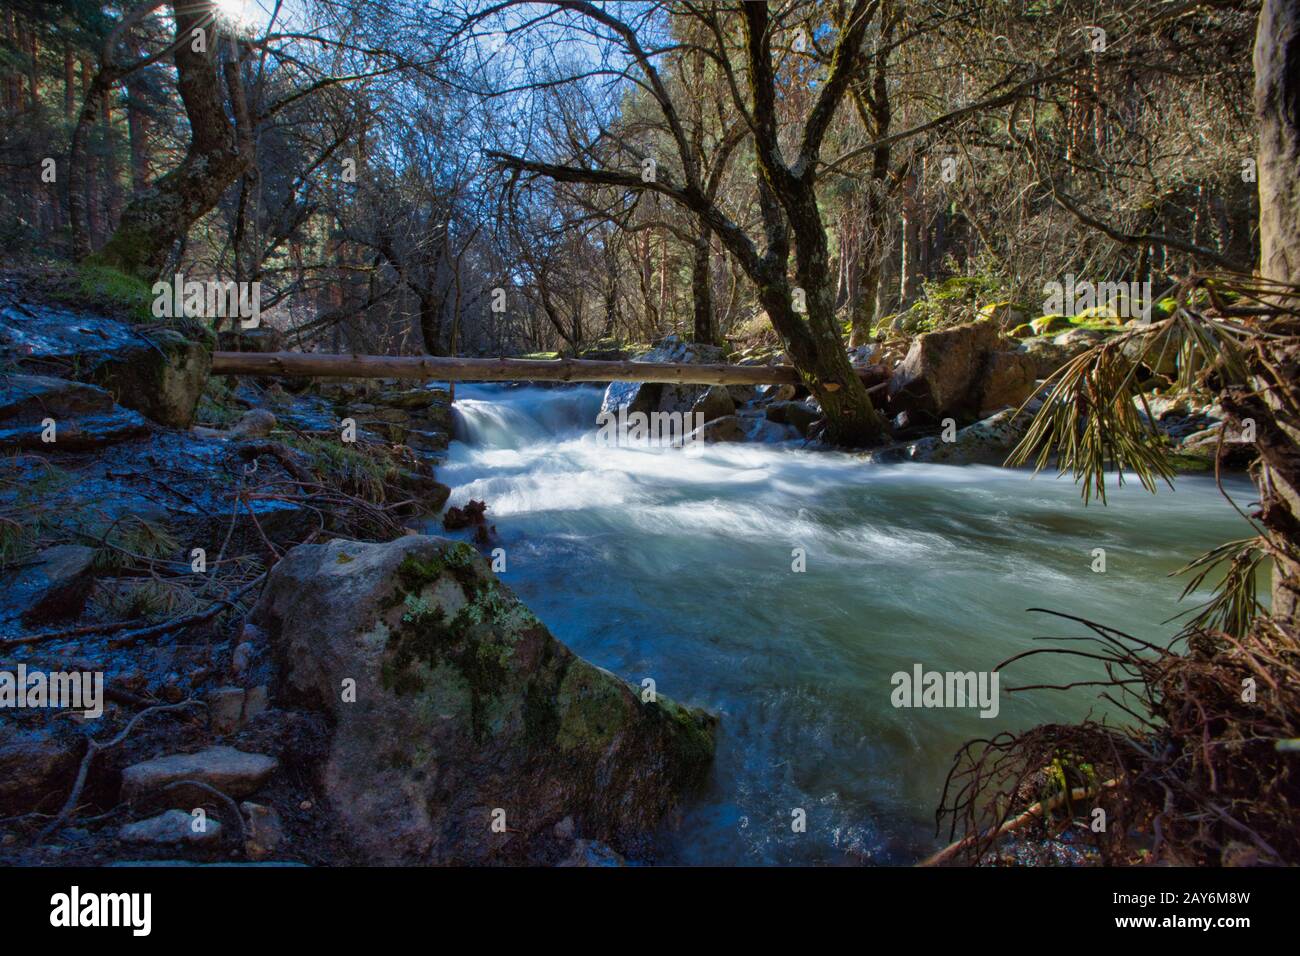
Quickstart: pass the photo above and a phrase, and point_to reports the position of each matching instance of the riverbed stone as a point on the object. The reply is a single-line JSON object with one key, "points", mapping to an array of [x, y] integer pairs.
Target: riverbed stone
{"points": [[172, 827], [649, 397], [464, 731], [716, 402], [233, 772]]}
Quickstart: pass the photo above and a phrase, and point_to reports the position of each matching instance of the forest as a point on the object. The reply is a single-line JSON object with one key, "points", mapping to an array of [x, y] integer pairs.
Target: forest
{"points": [[578, 433]]}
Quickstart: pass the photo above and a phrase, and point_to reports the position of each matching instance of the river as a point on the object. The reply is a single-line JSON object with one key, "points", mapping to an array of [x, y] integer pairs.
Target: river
{"points": [[657, 564]]}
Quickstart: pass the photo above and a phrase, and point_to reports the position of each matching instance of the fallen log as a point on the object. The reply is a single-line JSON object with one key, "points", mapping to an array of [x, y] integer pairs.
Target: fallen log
{"points": [[453, 369]]}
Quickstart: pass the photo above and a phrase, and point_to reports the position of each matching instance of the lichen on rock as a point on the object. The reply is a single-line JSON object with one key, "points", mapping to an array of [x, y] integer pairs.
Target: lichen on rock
{"points": [[464, 705]]}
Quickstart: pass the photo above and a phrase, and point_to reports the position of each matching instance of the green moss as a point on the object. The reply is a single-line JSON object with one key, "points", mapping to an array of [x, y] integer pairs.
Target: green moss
{"points": [[593, 709], [102, 284], [476, 644]]}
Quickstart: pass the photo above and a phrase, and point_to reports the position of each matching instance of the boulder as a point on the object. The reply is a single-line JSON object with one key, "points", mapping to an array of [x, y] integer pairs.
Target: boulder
{"points": [[464, 731], [1008, 378], [1158, 351], [161, 376], [254, 423], [716, 402], [728, 428], [263, 339], [799, 414], [648, 397], [55, 585], [233, 772], [1048, 324], [84, 416], [941, 374], [1049, 354], [1085, 337]]}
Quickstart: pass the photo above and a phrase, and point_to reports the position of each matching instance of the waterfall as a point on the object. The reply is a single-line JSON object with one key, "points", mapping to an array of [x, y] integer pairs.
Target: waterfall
{"points": [[498, 416]]}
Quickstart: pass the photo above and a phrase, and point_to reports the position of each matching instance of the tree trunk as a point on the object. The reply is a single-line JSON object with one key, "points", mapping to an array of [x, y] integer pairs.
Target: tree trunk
{"points": [[1277, 108], [219, 152], [910, 261], [701, 290]]}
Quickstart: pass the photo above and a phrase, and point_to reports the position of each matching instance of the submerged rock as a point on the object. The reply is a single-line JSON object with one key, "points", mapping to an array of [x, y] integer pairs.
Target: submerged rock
{"points": [[464, 731]]}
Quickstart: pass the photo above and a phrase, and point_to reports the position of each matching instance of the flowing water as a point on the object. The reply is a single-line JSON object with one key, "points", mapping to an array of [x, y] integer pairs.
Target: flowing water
{"points": [[654, 563]]}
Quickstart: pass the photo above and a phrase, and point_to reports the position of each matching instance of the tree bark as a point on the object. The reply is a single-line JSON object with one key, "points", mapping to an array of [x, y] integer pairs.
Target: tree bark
{"points": [[706, 330], [219, 152], [1277, 108]]}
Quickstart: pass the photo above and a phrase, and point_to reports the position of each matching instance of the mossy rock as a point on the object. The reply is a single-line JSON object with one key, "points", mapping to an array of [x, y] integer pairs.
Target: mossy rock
{"points": [[1047, 324], [1023, 331], [161, 377], [463, 702]]}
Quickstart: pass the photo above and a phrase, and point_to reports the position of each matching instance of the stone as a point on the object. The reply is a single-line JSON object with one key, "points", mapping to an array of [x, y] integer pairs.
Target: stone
{"points": [[1088, 337], [55, 586], [262, 339], [84, 415], [465, 708], [255, 423], [233, 772], [36, 767], [941, 373], [648, 397], [716, 402], [987, 442], [729, 428], [161, 376], [1046, 324], [263, 830], [1158, 351], [1008, 378], [799, 414], [225, 709], [172, 827]]}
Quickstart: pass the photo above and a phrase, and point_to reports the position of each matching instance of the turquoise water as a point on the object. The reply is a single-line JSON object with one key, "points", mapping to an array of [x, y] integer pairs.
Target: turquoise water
{"points": [[653, 563]]}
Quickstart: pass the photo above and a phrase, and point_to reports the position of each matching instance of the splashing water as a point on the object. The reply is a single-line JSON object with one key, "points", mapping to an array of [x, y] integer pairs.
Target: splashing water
{"points": [[652, 563]]}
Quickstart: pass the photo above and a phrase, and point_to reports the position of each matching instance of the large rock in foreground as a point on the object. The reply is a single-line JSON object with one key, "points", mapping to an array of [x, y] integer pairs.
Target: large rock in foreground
{"points": [[472, 731]]}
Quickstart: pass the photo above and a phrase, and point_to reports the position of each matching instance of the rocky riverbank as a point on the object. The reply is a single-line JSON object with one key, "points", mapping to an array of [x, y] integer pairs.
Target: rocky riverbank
{"points": [[289, 673]]}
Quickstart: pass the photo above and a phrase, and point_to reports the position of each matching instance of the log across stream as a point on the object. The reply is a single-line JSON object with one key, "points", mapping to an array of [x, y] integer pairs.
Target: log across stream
{"points": [[680, 569]]}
